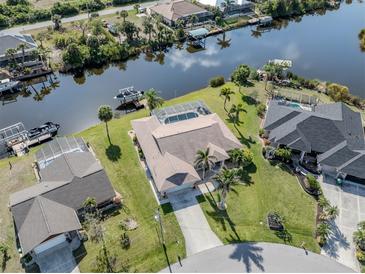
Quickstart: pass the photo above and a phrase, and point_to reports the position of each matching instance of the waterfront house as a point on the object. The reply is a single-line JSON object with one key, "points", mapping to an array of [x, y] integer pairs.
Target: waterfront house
{"points": [[332, 134], [182, 10], [46, 215], [170, 139], [13, 41], [236, 6]]}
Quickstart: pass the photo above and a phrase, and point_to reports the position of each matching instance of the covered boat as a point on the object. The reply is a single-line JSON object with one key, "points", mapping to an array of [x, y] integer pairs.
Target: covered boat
{"points": [[48, 128], [129, 95]]}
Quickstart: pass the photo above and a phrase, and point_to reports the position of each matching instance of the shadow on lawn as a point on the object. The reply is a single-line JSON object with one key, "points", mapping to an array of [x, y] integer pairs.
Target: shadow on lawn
{"points": [[249, 253], [249, 100], [113, 152], [222, 217]]}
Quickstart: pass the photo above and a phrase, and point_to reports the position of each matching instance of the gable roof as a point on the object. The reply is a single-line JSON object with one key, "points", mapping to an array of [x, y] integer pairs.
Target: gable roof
{"points": [[67, 181], [170, 149], [45, 219], [8, 41], [176, 9]]}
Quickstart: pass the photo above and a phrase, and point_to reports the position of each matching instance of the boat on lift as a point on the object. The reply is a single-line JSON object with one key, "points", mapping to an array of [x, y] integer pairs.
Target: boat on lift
{"points": [[8, 86], [48, 129], [129, 95]]}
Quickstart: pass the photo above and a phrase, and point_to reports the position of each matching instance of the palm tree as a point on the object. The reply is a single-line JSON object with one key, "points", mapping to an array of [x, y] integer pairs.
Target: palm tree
{"points": [[147, 27], [204, 160], [89, 204], [226, 92], [153, 100], [323, 232], [11, 53], [41, 36], [193, 19], [225, 178], [22, 47], [241, 157], [331, 212], [105, 114], [56, 19], [235, 110], [124, 15]]}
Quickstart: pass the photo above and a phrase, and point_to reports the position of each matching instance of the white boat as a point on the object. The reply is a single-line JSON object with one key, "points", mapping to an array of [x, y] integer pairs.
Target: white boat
{"points": [[8, 85], [129, 95]]}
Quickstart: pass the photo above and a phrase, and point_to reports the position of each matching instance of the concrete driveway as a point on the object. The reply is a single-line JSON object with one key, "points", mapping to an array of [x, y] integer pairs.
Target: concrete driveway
{"points": [[257, 257], [350, 199], [195, 228], [58, 259]]}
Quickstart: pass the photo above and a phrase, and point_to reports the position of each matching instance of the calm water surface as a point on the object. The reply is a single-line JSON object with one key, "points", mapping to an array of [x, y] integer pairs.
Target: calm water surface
{"points": [[324, 47]]}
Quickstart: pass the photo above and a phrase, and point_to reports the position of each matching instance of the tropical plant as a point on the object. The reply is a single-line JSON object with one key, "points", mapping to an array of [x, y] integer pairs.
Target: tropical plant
{"points": [[331, 212], [204, 160], [148, 27], [283, 153], [359, 238], [11, 52], [123, 14], [323, 232], [225, 178], [153, 99], [241, 157], [260, 109], [235, 112], [193, 19], [136, 7], [323, 202], [312, 182], [240, 75], [226, 93], [125, 240], [4, 255], [216, 81], [105, 114], [56, 19], [89, 204], [22, 47]]}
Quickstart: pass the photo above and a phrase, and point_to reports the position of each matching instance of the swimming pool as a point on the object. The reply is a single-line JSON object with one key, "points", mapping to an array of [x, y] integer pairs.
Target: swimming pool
{"points": [[181, 117]]}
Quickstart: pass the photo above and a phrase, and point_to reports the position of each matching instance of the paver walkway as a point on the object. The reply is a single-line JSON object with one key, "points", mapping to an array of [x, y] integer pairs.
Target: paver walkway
{"points": [[257, 257], [195, 228], [350, 199]]}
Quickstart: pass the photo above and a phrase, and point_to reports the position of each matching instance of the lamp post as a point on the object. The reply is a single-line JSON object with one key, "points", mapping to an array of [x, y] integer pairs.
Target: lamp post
{"points": [[159, 220]]}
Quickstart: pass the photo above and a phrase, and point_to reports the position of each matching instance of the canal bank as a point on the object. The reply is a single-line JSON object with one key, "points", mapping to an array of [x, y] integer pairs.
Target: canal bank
{"points": [[324, 47]]}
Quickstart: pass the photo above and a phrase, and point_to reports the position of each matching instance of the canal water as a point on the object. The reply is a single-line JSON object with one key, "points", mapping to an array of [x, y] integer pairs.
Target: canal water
{"points": [[321, 46]]}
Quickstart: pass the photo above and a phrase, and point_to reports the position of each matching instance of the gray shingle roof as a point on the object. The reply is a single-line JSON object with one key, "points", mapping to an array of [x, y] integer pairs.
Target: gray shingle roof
{"points": [[45, 219], [14, 40], [67, 181]]}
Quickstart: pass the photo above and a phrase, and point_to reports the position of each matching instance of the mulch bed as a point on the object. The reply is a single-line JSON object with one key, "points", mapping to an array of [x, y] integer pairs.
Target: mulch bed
{"points": [[302, 182]]}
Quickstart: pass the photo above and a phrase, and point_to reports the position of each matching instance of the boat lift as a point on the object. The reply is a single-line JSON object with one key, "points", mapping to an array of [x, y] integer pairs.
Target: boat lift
{"points": [[130, 95]]}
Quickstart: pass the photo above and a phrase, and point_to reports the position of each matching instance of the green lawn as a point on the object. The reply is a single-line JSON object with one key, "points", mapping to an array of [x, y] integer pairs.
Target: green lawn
{"points": [[128, 178], [273, 189]]}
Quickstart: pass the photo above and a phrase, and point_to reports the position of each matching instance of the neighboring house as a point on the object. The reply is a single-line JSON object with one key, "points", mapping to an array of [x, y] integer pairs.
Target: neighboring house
{"points": [[333, 133], [46, 214], [13, 41], [179, 10], [171, 137], [235, 7]]}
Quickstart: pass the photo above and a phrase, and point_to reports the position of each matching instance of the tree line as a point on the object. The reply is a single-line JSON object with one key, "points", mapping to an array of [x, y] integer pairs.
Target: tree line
{"points": [[287, 8], [16, 12]]}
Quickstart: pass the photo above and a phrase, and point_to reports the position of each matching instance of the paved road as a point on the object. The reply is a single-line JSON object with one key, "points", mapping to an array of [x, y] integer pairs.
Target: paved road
{"points": [[195, 228], [350, 199], [75, 18], [257, 257]]}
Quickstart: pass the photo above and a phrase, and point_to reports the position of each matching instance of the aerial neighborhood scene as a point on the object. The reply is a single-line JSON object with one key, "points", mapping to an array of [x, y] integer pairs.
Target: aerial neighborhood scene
{"points": [[190, 136]]}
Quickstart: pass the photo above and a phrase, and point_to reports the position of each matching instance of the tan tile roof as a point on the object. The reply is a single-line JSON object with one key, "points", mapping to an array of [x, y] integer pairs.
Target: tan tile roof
{"points": [[177, 9], [170, 149]]}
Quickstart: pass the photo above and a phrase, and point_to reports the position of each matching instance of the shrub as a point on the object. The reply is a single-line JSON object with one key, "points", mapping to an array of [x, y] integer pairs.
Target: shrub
{"points": [[120, 2], [94, 15], [4, 21], [64, 9], [216, 81], [260, 109], [313, 183], [283, 153], [125, 240], [261, 132], [360, 255]]}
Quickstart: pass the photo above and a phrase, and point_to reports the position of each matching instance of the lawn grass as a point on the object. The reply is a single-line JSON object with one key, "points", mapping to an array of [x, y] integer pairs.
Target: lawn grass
{"points": [[273, 188], [19, 177], [121, 163]]}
